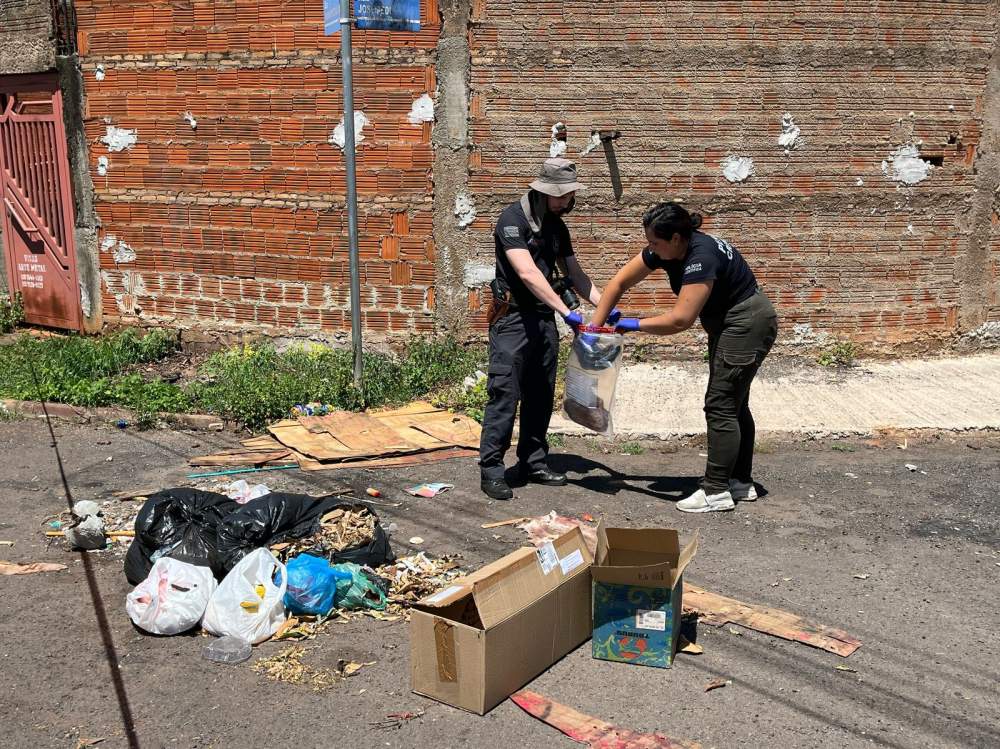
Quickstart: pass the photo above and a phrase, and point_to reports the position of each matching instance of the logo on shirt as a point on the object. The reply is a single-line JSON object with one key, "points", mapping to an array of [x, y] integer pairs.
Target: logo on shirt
{"points": [[511, 232], [693, 268], [724, 247]]}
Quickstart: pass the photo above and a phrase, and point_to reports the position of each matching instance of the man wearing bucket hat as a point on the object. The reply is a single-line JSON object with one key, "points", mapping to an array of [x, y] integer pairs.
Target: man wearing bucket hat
{"points": [[536, 272]]}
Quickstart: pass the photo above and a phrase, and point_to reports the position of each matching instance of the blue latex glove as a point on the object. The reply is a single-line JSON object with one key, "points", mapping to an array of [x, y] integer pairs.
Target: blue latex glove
{"points": [[589, 339], [614, 317], [574, 319], [627, 325]]}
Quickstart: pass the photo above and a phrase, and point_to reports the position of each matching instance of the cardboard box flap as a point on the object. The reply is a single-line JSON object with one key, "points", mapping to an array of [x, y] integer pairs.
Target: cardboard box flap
{"points": [[647, 557], [502, 590]]}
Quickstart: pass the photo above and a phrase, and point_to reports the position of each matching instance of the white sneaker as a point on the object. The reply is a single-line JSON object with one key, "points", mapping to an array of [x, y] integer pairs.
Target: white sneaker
{"points": [[742, 492], [701, 502]]}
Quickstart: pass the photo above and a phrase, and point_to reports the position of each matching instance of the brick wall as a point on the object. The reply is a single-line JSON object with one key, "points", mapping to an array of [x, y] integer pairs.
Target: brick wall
{"points": [[842, 249], [239, 223]]}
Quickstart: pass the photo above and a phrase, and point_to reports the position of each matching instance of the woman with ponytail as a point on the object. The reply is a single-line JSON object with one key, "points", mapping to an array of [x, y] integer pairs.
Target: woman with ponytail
{"points": [[712, 282]]}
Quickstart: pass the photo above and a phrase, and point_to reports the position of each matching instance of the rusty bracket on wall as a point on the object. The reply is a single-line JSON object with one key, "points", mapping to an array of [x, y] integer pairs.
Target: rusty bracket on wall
{"points": [[608, 138]]}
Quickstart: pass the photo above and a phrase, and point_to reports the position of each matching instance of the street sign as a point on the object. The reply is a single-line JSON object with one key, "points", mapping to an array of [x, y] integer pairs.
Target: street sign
{"points": [[386, 15]]}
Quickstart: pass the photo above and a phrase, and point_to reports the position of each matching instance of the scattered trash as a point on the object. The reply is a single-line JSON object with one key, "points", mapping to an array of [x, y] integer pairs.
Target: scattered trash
{"points": [[357, 590], [347, 669], [861, 577], [851, 475], [586, 729], [87, 534], [848, 669], [241, 492], [121, 424], [588, 517], [56, 524], [904, 444], [172, 599], [734, 631], [84, 743], [6, 543], [543, 529], [396, 720], [240, 470], [85, 508], [13, 568], [287, 666], [311, 409], [716, 610], [228, 649], [249, 601], [373, 492], [428, 490], [508, 521], [718, 684], [415, 434], [691, 648], [416, 540], [911, 468]]}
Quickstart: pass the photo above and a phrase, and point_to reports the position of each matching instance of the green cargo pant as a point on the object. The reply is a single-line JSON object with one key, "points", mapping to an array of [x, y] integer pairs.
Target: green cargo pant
{"points": [[737, 345]]}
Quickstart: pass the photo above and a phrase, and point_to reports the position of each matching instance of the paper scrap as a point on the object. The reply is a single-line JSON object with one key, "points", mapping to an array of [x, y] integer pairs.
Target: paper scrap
{"points": [[547, 557], [717, 684], [569, 563], [428, 490], [13, 568]]}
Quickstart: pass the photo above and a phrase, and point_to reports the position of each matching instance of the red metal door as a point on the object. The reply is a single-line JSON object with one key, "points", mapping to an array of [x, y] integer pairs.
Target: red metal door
{"points": [[36, 201]]}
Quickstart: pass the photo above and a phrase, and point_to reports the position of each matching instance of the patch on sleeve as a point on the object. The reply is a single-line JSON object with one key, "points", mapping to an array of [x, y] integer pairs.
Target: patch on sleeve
{"points": [[511, 232], [692, 268]]}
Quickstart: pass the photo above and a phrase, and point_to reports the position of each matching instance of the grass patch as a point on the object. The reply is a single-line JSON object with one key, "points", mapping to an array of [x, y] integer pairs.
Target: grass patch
{"points": [[557, 440], [633, 448], [838, 354], [840, 447], [11, 312]]}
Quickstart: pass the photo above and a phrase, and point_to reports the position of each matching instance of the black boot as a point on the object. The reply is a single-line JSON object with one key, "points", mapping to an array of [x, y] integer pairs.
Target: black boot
{"points": [[496, 489], [544, 476]]}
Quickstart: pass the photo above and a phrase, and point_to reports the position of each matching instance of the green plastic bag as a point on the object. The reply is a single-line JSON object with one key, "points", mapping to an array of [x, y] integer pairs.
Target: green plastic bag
{"points": [[357, 591]]}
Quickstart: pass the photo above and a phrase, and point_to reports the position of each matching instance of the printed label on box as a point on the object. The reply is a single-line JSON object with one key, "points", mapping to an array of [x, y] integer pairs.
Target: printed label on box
{"points": [[571, 562], [581, 388], [443, 594], [548, 558], [651, 620]]}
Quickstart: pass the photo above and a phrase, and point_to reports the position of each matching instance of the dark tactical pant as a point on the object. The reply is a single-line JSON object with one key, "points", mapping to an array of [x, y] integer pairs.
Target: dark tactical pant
{"points": [[737, 345], [524, 353]]}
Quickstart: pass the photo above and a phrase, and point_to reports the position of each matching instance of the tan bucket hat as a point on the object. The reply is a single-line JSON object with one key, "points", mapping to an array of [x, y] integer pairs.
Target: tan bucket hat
{"points": [[557, 178]]}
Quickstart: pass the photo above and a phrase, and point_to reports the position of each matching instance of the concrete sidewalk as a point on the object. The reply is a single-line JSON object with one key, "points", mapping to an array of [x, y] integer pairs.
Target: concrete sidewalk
{"points": [[665, 400]]}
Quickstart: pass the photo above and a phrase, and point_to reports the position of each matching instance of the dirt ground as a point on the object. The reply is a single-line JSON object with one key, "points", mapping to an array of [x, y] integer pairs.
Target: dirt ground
{"points": [[74, 668]]}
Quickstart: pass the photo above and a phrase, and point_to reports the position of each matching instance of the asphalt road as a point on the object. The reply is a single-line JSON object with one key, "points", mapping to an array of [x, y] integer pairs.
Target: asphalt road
{"points": [[73, 667]]}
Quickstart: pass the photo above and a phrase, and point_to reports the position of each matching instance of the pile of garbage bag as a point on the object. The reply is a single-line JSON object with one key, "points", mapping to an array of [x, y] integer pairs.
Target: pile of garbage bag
{"points": [[202, 558]]}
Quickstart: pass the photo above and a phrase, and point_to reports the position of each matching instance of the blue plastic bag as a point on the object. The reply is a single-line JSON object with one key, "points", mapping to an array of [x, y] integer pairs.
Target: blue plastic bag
{"points": [[312, 585]]}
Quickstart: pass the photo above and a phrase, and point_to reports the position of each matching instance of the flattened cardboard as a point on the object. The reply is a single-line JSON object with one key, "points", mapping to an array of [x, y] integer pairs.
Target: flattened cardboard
{"points": [[637, 590], [488, 634]]}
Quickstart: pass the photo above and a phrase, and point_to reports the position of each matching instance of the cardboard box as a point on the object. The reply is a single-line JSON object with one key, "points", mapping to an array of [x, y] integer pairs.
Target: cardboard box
{"points": [[488, 634], [637, 579]]}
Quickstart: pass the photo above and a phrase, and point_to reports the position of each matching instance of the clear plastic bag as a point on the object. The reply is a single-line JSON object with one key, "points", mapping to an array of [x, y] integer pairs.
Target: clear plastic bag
{"points": [[249, 601], [591, 376], [173, 597]]}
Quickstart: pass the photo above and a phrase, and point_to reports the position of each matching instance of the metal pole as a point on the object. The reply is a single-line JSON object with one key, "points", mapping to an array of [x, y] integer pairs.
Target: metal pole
{"points": [[352, 184]]}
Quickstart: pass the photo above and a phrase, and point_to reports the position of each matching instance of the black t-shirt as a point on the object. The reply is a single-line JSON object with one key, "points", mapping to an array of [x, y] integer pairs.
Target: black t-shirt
{"points": [[514, 232], [709, 259]]}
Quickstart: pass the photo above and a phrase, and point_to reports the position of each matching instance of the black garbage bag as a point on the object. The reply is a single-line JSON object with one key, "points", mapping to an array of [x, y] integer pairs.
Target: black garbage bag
{"points": [[279, 517], [180, 523]]}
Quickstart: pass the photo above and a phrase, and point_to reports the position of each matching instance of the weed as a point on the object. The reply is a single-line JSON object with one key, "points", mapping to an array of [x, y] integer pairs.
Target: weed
{"points": [[11, 312], [840, 447], [8, 415], [705, 355], [641, 353], [557, 440], [633, 448], [764, 447], [469, 400], [838, 354]]}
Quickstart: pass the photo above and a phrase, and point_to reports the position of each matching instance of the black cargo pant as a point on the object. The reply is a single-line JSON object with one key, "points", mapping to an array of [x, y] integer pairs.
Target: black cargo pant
{"points": [[738, 342], [524, 353]]}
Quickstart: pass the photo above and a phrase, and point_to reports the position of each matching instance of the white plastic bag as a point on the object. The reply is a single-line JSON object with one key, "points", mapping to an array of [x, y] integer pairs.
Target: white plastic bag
{"points": [[248, 603], [591, 375], [242, 492], [172, 598]]}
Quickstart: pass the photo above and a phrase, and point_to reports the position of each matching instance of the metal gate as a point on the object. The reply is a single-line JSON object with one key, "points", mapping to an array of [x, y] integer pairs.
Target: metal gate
{"points": [[36, 201]]}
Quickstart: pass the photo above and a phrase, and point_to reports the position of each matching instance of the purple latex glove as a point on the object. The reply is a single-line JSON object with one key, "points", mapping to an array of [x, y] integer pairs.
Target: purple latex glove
{"points": [[573, 319], [614, 317], [627, 325]]}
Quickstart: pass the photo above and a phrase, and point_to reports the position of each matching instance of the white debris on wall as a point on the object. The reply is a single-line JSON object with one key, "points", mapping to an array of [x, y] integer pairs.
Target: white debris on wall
{"points": [[123, 253], [478, 274], [594, 142], [804, 333], [339, 138], [906, 166], [86, 306], [790, 132], [422, 110], [558, 145], [860, 182], [737, 168], [189, 118], [465, 209], [119, 138], [102, 165], [108, 242], [99, 73]]}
